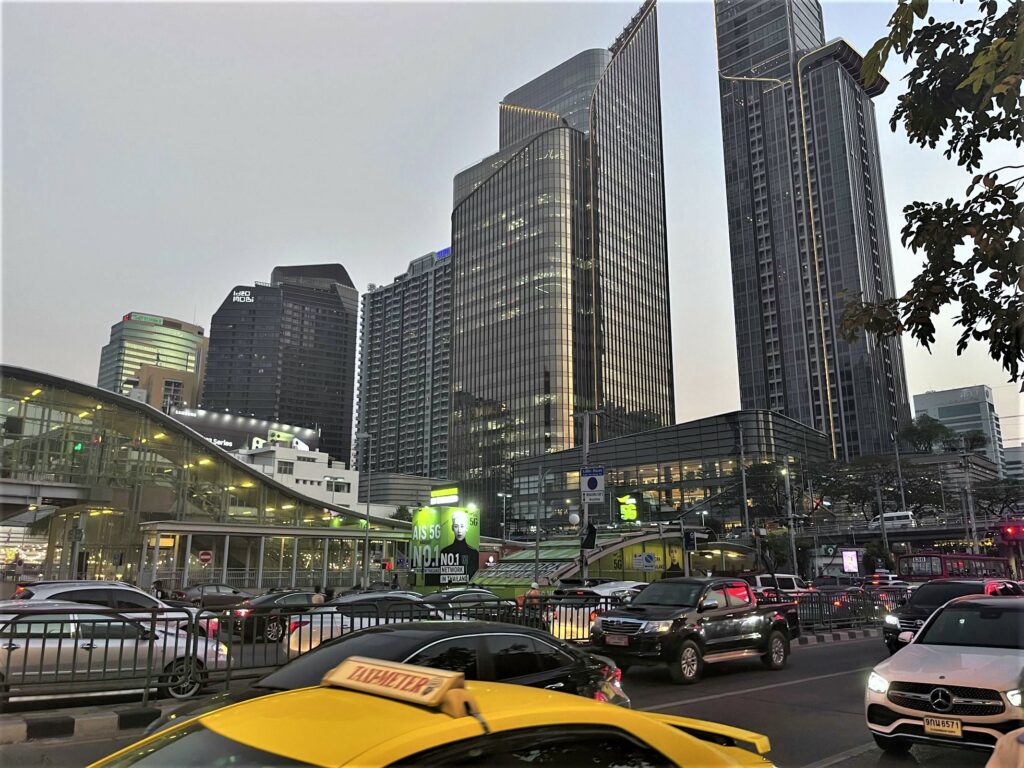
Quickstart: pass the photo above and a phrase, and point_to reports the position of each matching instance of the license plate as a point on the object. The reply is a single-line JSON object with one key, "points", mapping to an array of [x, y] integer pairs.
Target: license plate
{"points": [[942, 726], [616, 640]]}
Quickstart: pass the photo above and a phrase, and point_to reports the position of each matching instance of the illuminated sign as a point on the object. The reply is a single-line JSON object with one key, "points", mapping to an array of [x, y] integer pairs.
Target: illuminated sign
{"points": [[850, 561], [446, 544], [627, 507], [444, 496], [144, 318], [242, 297], [444, 253]]}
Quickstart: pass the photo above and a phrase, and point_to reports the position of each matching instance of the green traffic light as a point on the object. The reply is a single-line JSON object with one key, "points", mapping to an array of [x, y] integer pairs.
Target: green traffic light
{"points": [[78, 447]]}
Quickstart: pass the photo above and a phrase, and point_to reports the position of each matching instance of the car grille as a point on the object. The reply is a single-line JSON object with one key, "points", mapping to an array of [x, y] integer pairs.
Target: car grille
{"points": [[621, 626], [967, 701], [910, 625]]}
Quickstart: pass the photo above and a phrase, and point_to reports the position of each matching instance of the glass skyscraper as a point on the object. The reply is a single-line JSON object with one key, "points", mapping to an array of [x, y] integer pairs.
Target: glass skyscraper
{"points": [[795, 117], [560, 268], [404, 377], [285, 351]]}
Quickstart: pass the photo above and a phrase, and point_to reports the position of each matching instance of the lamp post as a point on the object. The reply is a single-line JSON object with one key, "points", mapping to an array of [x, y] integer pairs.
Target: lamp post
{"points": [[504, 497], [789, 513], [369, 490], [899, 471]]}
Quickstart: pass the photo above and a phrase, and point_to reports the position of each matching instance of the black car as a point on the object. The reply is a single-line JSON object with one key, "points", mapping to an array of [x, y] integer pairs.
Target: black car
{"points": [[481, 650], [267, 616], [927, 598], [474, 603]]}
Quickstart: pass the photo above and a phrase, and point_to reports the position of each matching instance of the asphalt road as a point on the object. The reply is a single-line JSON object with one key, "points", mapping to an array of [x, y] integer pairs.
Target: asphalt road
{"points": [[811, 711]]}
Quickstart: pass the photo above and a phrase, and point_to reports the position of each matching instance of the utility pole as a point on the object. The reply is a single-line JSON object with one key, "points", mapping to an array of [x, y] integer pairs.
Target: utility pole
{"points": [[899, 471], [743, 479], [789, 511], [504, 497], [369, 490], [541, 474], [881, 512], [972, 520], [585, 524]]}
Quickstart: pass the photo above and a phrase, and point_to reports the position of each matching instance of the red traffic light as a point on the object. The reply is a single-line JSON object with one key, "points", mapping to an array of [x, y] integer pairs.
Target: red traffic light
{"points": [[1013, 532]]}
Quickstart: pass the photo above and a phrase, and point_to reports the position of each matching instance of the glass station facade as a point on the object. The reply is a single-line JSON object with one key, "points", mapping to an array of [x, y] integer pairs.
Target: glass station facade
{"points": [[156, 499]]}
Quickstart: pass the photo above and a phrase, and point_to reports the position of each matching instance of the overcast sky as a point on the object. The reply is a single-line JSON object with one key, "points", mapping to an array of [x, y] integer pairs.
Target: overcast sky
{"points": [[157, 155]]}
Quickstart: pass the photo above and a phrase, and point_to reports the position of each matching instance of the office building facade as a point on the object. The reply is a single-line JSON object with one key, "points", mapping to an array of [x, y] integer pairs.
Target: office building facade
{"points": [[404, 376], [285, 351], [807, 224], [560, 268], [1013, 462], [161, 355], [967, 409]]}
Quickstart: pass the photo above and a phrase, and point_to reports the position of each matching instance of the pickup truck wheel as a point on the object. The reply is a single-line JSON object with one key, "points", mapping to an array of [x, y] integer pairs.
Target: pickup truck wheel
{"points": [[688, 665], [778, 651]]}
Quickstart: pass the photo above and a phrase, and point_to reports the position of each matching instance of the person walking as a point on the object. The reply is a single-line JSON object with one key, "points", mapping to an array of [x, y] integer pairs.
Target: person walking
{"points": [[158, 590]]}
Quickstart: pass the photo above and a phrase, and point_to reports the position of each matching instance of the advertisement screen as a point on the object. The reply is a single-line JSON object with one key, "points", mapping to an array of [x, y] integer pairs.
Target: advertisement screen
{"points": [[445, 544], [850, 561]]}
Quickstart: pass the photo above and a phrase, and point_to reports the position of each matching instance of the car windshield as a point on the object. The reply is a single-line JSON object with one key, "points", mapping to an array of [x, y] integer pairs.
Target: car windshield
{"points": [[976, 625], [931, 596], [194, 746], [674, 593], [310, 668]]}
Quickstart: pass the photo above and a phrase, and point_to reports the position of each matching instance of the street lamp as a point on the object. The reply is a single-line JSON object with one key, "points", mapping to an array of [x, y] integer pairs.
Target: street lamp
{"points": [[503, 497], [369, 490], [789, 512]]}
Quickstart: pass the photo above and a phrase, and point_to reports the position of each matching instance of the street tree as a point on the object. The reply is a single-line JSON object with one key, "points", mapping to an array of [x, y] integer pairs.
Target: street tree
{"points": [[963, 91], [925, 432]]}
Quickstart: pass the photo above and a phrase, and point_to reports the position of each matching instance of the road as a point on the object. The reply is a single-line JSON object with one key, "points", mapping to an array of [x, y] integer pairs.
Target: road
{"points": [[811, 711]]}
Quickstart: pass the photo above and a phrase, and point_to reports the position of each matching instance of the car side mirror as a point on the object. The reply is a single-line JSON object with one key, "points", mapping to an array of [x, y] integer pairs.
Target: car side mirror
{"points": [[905, 637], [709, 605]]}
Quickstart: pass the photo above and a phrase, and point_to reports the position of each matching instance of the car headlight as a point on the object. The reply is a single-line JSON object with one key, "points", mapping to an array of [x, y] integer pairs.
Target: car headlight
{"points": [[658, 626], [1014, 697], [891, 620], [222, 649], [877, 683]]}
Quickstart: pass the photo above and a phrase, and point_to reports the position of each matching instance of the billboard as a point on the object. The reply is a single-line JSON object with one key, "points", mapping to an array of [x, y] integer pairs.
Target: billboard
{"points": [[850, 564], [446, 544]]}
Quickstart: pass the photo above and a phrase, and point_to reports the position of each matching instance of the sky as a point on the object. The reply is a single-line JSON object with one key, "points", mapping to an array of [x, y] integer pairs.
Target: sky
{"points": [[156, 155]]}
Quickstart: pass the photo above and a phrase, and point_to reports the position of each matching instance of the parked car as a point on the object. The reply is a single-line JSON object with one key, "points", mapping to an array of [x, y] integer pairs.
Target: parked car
{"points": [[269, 615], [121, 597], [912, 615], [215, 596], [956, 682], [352, 612], [570, 612], [480, 650], [787, 582], [689, 622], [52, 647]]}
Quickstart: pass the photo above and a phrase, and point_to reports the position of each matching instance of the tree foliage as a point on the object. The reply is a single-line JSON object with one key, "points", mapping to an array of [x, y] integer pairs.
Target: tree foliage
{"points": [[964, 91], [924, 433]]}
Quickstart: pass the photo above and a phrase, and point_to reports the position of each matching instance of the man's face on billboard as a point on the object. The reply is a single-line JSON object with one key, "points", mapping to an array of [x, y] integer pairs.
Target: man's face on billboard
{"points": [[460, 526]]}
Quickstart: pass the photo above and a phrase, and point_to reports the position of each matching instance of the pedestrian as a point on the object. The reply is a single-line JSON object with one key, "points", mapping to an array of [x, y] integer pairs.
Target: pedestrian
{"points": [[158, 590], [318, 595], [531, 605], [394, 581]]}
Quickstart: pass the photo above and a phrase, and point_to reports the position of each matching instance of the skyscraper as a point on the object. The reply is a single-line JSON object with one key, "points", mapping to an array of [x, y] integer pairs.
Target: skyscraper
{"points": [[796, 117], [404, 381], [967, 409], [560, 267], [151, 349], [285, 351]]}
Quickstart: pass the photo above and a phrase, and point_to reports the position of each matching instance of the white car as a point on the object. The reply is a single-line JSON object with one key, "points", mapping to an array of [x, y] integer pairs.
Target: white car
{"points": [[957, 682], [573, 610], [351, 612]]}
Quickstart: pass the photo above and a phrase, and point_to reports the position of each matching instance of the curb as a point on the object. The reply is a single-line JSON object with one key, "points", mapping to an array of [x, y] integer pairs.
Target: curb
{"points": [[837, 636], [17, 729]]}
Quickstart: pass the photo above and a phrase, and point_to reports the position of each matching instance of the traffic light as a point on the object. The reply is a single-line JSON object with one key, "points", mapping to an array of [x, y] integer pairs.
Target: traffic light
{"points": [[77, 448], [1012, 532]]}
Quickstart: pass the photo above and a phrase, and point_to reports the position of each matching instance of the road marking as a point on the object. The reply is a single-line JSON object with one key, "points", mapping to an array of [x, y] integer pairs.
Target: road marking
{"points": [[752, 690], [841, 756]]}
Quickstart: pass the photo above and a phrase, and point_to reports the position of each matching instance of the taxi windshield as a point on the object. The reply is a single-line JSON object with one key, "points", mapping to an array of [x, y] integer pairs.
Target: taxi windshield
{"points": [[680, 594], [195, 746]]}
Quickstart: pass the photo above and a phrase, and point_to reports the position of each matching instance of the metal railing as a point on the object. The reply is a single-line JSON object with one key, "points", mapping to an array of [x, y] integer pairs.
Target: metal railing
{"points": [[827, 610]]}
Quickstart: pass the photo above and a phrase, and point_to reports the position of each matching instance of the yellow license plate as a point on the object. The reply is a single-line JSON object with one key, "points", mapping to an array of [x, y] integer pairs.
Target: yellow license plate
{"points": [[942, 726]]}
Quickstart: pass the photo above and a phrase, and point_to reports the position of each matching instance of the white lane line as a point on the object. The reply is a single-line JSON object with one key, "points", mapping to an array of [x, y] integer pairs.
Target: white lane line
{"points": [[802, 680], [841, 756]]}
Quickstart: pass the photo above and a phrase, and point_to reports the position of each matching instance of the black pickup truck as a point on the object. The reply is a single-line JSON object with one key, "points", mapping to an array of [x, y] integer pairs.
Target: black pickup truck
{"points": [[689, 622]]}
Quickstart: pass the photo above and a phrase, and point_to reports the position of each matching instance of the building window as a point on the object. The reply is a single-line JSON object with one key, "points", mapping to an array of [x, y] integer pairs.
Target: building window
{"points": [[286, 468]]}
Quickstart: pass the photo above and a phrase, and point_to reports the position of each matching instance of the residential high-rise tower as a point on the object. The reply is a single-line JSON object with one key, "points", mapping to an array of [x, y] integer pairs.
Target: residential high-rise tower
{"points": [[285, 351], [807, 224], [560, 268]]}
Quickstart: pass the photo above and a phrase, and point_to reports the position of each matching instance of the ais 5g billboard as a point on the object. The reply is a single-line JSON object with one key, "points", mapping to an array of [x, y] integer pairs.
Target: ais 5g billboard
{"points": [[446, 544]]}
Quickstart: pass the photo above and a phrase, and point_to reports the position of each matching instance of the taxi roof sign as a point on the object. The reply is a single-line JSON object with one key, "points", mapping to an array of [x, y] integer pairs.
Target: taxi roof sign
{"points": [[437, 688]]}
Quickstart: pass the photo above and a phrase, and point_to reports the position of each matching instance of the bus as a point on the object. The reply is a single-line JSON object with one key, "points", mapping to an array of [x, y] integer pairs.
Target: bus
{"points": [[925, 566]]}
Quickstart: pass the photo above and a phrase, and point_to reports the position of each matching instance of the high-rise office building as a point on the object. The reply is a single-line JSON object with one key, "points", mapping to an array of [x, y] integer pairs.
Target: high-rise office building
{"points": [[967, 409], [404, 383], [285, 351], [161, 355], [560, 268], [1013, 465], [796, 117]]}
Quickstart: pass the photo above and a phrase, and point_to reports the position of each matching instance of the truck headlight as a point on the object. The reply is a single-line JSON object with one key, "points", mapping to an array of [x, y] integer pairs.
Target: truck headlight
{"points": [[891, 620], [658, 626], [1014, 697], [877, 683]]}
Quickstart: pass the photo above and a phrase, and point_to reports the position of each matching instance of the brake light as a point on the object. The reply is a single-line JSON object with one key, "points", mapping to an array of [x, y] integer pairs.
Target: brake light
{"points": [[836, 603], [212, 626], [615, 673], [293, 625], [598, 696], [242, 612], [19, 590]]}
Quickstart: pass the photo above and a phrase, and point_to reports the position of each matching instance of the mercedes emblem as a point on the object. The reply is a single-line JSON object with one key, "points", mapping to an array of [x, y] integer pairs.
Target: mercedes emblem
{"points": [[941, 700]]}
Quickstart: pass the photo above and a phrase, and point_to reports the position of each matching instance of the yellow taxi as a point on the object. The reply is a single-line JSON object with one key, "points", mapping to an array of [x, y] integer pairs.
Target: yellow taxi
{"points": [[369, 712]]}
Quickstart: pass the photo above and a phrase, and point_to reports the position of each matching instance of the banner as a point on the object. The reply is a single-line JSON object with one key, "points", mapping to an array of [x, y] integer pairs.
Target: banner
{"points": [[445, 544]]}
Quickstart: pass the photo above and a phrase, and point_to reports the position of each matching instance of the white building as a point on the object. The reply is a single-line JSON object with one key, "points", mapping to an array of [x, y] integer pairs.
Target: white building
{"points": [[964, 410], [1013, 467], [312, 474]]}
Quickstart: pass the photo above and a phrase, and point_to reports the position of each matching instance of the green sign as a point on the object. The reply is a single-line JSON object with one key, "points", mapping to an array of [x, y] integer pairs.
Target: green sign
{"points": [[627, 507], [446, 544], [147, 318]]}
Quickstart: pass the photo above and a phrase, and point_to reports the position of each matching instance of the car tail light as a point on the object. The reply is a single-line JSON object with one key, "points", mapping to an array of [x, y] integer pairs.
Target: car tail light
{"points": [[837, 603], [212, 625], [598, 696], [19, 591], [241, 612], [614, 673], [293, 625]]}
